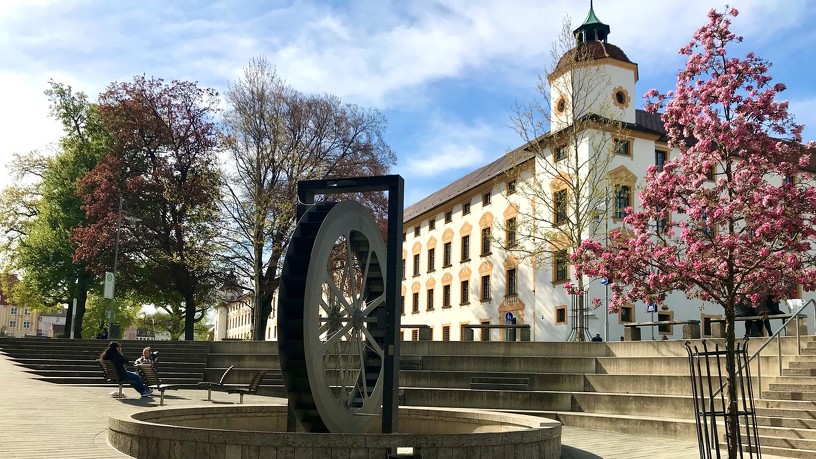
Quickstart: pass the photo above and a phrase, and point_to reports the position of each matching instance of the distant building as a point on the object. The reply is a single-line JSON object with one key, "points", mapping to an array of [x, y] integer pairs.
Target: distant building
{"points": [[16, 321]]}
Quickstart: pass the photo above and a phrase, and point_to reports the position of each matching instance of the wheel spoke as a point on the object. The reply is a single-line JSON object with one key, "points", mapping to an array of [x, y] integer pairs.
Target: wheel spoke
{"points": [[338, 294], [335, 338], [369, 307], [372, 343]]}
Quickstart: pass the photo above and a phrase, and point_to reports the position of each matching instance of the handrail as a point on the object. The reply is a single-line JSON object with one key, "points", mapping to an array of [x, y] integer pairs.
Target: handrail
{"points": [[794, 315]]}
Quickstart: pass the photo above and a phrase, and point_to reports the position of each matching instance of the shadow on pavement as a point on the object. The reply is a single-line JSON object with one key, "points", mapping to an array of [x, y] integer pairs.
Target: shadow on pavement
{"points": [[568, 452]]}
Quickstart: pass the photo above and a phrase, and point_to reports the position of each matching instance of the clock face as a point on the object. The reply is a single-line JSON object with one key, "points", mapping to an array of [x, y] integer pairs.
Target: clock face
{"points": [[620, 97], [560, 105]]}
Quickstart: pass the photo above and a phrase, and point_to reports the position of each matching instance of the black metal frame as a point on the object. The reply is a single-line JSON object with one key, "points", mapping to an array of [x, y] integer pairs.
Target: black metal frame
{"points": [[394, 185], [710, 404]]}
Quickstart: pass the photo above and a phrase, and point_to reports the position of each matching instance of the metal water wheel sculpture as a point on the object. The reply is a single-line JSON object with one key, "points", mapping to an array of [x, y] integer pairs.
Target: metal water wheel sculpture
{"points": [[331, 323]]}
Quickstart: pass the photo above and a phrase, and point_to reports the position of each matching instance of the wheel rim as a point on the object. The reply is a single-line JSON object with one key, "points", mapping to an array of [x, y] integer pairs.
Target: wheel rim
{"points": [[343, 330]]}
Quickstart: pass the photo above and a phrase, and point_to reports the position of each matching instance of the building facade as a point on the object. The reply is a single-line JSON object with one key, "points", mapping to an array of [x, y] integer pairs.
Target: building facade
{"points": [[462, 257]]}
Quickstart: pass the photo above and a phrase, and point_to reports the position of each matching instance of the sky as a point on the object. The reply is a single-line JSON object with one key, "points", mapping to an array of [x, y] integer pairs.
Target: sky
{"points": [[445, 73]]}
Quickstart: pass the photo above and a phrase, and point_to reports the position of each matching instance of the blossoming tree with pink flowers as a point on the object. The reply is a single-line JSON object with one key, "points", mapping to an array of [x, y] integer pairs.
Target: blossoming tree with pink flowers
{"points": [[732, 217]]}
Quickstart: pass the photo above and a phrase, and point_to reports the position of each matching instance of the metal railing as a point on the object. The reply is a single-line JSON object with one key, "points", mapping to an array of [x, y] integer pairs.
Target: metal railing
{"points": [[794, 316]]}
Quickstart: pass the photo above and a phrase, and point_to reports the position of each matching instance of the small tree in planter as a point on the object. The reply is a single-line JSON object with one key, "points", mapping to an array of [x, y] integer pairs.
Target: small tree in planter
{"points": [[731, 218]]}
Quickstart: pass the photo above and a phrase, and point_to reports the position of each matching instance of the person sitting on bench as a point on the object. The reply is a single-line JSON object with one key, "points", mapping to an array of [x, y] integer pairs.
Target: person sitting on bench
{"points": [[766, 307], [113, 353]]}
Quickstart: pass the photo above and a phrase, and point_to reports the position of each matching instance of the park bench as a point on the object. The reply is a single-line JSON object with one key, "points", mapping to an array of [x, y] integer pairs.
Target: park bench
{"points": [[112, 376], [524, 335], [152, 380], [718, 324], [691, 328], [242, 389]]}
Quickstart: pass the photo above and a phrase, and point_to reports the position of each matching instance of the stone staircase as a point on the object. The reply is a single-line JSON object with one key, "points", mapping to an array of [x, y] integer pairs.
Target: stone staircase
{"points": [[630, 387], [65, 361]]}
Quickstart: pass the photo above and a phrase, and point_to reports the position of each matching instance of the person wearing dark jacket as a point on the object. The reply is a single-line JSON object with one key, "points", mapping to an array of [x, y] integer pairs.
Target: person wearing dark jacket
{"points": [[114, 353]]}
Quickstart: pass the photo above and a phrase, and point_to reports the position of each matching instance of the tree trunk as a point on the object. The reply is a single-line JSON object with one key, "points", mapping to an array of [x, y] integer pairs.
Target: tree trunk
{"points": [[189, 317], [731, 418], [580, 333]]}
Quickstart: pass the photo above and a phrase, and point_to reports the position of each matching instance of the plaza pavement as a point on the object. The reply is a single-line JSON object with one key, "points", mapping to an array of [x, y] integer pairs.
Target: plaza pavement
{"points": [[46, 420]]}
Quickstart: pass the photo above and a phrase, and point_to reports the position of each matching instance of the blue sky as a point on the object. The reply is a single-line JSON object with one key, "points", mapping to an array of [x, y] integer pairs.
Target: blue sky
{"points": [[445, 73]]}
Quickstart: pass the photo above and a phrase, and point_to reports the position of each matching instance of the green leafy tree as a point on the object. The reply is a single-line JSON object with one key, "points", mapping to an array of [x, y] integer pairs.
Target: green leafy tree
{"points": [[40, 216], [162, 172]]}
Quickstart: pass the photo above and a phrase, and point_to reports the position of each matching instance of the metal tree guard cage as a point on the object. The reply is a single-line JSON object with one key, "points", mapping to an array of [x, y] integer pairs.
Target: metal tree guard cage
{"points": [[708, 381]]}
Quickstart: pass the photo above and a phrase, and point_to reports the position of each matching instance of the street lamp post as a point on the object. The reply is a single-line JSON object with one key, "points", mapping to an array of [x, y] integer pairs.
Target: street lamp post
{"points": [[110, 292], [115, 262]]}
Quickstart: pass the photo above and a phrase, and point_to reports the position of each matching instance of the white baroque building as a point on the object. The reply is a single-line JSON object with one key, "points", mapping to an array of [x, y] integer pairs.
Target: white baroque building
{"points": [[455, 271]]}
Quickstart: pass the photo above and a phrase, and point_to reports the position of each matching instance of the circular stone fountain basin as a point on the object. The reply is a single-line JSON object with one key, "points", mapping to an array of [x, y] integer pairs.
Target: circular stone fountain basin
{"points": [[259, 431]]}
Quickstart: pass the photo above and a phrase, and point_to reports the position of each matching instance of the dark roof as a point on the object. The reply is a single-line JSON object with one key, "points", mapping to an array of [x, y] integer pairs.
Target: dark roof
{"points": [[468, 182], [644, 122], [591, 50]]}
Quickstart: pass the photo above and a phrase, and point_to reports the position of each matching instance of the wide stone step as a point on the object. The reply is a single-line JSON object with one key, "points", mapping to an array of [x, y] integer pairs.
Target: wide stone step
{"points": [[788, 406], [510, 364], [801, 364], [805, 422], [787, 395], [797, 386], [786, 432], [466, 398], [499, 386], [799, 372], [244, 360], [800, 444], [499, 380]]}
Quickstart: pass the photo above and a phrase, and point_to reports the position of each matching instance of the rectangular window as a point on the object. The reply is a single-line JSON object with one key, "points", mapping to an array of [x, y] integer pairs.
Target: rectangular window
{"points": [[416, 231], [446, 333], [627, 314], [430, 299], [560, 152], [787, 180], [13, 324], [431, 224], [660, 160], [510, 232], [622, 201], [560, 314], [465, 248], [448, 216], [560, 206], [403, 269], [511, 187], [416, 264], [446, 255], [709, 173], [402, 304], [486, 288], [27, 311], [486, 241], [465, 292], [665, 316], [431, 259], [446, 296], [621, 147], [26, 324], [465, 208], [512, 282], [561, 263], [14, 311], [415, 301], [415, 335], [484, 333], [485, 199]]}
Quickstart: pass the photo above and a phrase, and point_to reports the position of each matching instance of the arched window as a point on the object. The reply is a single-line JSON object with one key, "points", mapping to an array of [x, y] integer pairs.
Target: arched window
{"points": [[622, 200]]}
